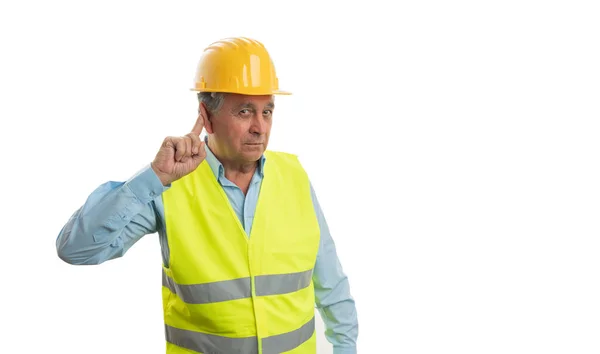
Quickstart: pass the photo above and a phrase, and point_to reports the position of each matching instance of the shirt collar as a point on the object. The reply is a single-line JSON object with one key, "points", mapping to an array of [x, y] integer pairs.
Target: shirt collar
{"points": [[217, 167]]}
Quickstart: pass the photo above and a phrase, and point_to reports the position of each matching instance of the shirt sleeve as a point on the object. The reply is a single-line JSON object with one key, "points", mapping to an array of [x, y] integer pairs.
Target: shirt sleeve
{"points": [[332, 291], [113, 218]]}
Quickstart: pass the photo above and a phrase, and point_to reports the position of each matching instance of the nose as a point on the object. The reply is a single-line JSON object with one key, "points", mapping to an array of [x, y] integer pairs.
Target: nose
{"points": [[259, 125]]}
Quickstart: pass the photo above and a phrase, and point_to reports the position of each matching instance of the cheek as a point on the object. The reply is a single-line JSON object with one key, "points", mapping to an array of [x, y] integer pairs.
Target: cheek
{"points": [[237, 133], [231, 129]]}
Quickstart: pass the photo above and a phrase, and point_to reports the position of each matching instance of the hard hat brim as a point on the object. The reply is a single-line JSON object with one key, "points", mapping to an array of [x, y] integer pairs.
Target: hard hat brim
{"points": [[274, 92]]}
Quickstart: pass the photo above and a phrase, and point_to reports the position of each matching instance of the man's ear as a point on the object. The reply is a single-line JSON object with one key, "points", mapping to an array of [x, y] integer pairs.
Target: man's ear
{"points": [[206, 117]]}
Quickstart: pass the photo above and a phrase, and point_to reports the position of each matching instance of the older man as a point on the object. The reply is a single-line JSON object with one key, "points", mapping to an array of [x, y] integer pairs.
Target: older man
{"points": [[246, 249]]}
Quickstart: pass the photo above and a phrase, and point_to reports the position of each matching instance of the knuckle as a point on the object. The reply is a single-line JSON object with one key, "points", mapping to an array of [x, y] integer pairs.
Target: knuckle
{"points": [[168, 142], [172, 140]]}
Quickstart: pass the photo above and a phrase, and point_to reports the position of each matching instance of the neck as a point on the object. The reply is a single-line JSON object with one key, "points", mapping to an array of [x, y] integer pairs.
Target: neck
{"points": [[238, 169], [238, 172]]}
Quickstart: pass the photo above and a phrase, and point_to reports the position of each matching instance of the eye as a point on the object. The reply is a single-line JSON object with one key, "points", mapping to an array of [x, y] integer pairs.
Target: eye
{"points": [[245, 112], [267, 112]]}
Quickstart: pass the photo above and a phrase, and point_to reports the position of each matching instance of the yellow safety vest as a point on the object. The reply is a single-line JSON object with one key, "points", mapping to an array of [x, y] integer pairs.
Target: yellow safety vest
{"points": [[224, 292]]}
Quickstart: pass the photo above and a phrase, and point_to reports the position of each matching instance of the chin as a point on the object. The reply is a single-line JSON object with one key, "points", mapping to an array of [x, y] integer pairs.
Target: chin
{"points": [[254, 156], [254, 151], [250, 155]]}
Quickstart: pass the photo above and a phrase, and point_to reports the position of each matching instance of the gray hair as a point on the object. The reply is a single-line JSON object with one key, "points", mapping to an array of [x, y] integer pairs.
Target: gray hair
{"points": [[212, 100]]}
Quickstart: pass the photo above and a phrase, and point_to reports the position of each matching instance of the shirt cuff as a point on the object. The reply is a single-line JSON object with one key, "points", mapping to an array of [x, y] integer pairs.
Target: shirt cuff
{"points": [[344, 350], [146, 185]]}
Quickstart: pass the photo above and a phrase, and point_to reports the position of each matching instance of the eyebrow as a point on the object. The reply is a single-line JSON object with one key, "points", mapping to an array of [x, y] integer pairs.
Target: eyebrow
{"points": [[244, 105]]}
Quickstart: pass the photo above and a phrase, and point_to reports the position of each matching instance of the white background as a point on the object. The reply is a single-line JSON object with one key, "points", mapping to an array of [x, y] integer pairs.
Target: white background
{"points": [[454, 147]]}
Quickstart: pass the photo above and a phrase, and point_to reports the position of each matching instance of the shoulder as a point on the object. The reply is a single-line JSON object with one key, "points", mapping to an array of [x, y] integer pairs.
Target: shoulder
{"points": [[283, 160], [281, 157]]}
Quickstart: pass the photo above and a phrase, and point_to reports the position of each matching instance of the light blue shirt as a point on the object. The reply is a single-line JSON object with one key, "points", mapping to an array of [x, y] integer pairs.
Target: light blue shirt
{"points": [[118, 214]]}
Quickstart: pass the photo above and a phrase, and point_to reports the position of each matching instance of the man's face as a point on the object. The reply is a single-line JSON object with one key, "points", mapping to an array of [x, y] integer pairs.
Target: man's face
{"points": [[242, 126]]}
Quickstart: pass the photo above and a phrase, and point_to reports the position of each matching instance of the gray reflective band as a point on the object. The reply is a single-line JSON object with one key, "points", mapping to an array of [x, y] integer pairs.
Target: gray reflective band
{"points": [[234, 289], [282, 283], [209, 343], [288, 341], [210, 292]]}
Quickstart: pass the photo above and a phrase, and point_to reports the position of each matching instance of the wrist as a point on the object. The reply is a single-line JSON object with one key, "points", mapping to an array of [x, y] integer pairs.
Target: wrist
{"points": [[163, 177]]}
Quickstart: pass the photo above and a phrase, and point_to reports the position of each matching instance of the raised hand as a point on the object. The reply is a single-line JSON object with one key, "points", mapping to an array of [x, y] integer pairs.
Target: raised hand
{"points": [[179, 156]]}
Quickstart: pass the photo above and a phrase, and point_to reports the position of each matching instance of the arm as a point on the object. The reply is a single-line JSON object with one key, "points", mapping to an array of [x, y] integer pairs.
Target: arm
{"points": [[332, 291], [114, 217], [117, 214]]}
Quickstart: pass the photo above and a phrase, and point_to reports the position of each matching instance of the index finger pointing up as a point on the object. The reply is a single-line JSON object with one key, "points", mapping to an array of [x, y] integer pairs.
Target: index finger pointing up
{"points": [[197, 129]]}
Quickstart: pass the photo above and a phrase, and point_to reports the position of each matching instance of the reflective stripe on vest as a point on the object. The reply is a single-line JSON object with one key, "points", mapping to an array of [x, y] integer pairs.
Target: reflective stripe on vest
{"points": [[210, 343], [234, 289]]}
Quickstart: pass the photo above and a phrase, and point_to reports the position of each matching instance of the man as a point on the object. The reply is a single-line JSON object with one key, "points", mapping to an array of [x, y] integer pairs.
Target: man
{"points": [[246, 249]]}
